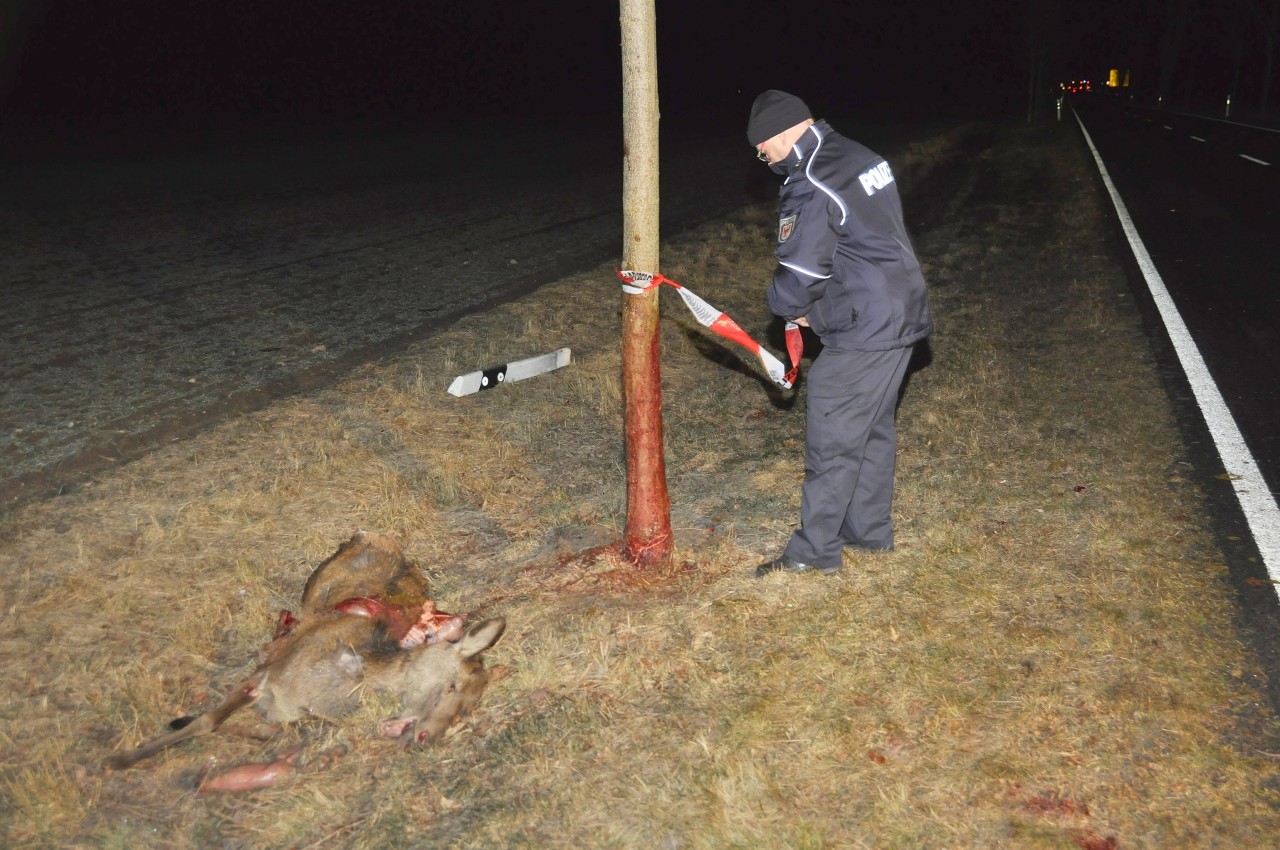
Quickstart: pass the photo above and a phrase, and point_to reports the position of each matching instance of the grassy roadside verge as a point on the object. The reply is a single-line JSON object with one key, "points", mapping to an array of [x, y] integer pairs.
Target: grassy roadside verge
{"points": [[1048, 659]]}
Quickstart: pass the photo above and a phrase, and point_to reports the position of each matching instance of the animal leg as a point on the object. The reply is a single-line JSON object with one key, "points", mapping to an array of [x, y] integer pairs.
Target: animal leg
{"points": [[245, 694]]}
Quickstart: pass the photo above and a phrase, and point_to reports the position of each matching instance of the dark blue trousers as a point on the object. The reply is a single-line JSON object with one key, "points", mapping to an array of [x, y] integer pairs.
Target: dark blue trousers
{"points": [[851, 444]]}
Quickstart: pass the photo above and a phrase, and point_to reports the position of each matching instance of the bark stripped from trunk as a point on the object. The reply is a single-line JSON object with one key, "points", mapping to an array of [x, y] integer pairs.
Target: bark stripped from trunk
{"points": [[648, 531]]}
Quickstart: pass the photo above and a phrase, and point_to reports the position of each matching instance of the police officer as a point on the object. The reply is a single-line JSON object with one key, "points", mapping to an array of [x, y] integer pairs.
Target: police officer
{"points": [[846, 270]]}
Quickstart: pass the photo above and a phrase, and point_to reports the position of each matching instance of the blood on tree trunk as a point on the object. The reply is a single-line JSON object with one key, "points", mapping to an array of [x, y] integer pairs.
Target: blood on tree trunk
{"points": [[648, 531]]}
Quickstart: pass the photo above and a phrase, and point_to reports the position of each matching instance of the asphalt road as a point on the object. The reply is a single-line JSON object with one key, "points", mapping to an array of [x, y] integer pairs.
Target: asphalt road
{"points": [[1205, 197], [150, 289]]}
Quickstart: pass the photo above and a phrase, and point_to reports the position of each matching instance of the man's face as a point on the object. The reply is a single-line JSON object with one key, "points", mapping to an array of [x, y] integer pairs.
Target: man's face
{"points": [[775, 149]]}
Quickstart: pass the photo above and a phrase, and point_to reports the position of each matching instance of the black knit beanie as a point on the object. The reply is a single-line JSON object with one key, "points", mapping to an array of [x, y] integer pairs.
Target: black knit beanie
{"points": [[773, 112]]}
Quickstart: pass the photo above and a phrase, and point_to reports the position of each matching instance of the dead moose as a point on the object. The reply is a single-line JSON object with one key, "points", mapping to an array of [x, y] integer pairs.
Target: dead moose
{"points": [[365, 623]]}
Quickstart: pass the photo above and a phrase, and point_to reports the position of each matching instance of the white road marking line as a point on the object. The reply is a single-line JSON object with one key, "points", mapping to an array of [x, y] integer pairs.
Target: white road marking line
{"points": [[1257, 503], [1167, 127], [1254, 159], [1197, 138], [1225, 121]]}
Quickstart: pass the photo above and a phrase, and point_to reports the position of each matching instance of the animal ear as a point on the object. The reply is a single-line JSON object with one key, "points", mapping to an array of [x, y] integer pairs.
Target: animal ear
{"points": [[481, 637]]}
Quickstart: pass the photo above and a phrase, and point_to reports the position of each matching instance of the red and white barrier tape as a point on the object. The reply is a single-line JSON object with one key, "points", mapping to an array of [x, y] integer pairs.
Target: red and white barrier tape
{"points": [[638, 283]]}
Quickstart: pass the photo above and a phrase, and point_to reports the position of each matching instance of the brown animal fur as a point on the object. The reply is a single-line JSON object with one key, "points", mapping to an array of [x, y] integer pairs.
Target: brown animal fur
{"points": [[324, 664], [366, 565]]}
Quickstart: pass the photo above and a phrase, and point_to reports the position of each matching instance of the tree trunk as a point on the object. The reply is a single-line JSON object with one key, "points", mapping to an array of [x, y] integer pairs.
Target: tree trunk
{"points": [[1171, 47], [1264, 97], [1039, 33], [648, 531]]}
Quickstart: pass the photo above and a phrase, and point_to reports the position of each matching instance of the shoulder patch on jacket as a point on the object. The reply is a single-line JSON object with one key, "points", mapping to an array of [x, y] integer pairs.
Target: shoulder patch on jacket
{"points": [[786, 227]]}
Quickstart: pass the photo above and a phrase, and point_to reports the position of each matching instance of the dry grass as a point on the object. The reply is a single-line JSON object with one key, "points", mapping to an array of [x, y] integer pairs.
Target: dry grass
{"points": [[1048, 660]]}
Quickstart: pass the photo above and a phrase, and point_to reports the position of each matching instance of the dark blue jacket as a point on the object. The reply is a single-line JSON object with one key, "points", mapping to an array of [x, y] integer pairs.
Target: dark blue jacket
{"points": [[845, 262]]}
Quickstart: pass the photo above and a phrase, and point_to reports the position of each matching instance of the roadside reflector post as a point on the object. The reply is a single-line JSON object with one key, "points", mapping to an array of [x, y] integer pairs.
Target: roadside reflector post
{"points": [[506, 373], [648, 529]]}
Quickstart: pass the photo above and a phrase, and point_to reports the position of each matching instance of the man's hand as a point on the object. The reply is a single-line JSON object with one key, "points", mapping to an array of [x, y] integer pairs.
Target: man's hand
{"points": [[801, 321]]}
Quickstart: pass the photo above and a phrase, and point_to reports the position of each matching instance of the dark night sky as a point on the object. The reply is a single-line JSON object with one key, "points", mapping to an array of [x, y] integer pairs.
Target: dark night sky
{"points": [[188, 64], [241, 60]]}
